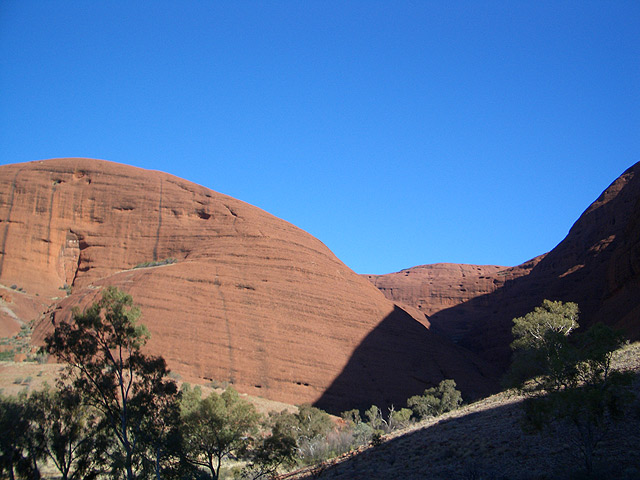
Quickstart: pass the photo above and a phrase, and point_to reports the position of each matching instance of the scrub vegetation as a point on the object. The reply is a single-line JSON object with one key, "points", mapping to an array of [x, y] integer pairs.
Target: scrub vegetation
{"points": [[118, 413]]}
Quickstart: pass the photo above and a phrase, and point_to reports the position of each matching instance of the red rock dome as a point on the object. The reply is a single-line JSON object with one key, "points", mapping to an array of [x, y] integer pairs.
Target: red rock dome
{"points": [[250, 299]]}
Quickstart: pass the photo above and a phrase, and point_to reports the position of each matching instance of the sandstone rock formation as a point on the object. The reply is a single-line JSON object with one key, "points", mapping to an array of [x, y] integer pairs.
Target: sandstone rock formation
{"points": [[431, 288], [250, 298], [597, 265], [18, 308], [465, 289]]}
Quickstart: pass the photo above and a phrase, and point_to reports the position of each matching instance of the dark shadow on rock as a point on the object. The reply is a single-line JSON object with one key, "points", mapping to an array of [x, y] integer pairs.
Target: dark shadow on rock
{"points": [[401, 358], [597, 266]]}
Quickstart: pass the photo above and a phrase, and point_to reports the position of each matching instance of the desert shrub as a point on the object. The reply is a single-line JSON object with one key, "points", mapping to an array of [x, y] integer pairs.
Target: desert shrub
{"points": [[268, 454], [376, 438], [375, 418], [361, 431], [362, 434], [215, 428], [436, 400], [41, 357], [399, 418], [310, 427], [351, 417], [218, 384], [25, 331], [7, 356], [156, 263]]}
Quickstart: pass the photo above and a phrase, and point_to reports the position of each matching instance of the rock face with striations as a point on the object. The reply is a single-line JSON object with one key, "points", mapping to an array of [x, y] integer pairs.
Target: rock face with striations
{"points": [[437, 288], [250, 298], [597, 266], [432, 288]]}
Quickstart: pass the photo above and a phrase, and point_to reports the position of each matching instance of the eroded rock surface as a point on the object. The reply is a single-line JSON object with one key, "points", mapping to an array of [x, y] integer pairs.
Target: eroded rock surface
{"points": [[250, 298], [597, 265], [432, 288]]}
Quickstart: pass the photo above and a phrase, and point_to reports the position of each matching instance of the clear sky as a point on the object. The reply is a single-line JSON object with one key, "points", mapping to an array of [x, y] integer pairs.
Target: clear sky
{"points": [[399, 133]]}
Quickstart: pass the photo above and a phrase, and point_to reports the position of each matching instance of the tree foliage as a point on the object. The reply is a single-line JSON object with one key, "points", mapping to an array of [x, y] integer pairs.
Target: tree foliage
{"points": [[269, 453], [67, 433], [543, 352], [216, 427], [568, 375], [308, 427], [16, 459], [535, 329], [399, 418], [102, 346], [436, 400]]}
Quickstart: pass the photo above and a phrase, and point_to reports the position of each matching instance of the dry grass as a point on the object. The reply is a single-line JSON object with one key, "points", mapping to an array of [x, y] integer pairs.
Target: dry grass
{"points": [[20, 376], [16, 377]]}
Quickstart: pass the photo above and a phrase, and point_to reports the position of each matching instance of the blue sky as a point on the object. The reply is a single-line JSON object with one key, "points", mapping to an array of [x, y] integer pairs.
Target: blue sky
{"points": [[399, 133]]}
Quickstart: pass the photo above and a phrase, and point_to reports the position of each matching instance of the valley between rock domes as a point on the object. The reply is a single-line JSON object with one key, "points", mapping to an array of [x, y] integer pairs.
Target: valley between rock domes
{"points": [[250, 299]]}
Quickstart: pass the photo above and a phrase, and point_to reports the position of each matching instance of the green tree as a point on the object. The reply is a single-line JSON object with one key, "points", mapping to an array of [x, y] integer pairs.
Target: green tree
{"points": [[216, 427], [270, 453], [436, 400], [351, 417], [399, 418], [67, 433], [161, 435], [102, 347], [567, 375], [543, 352], [534, 329], [362, 431], [311, 422], [16, 456], [309, 427], [374, 415]]}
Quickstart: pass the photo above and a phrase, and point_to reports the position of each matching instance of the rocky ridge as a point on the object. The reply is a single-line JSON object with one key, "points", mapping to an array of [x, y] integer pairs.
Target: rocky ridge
{"points": [[228, 291], [597, 266]]}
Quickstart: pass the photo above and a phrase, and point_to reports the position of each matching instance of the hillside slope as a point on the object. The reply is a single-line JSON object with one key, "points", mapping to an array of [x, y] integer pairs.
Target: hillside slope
{"points": [[485, 440]]}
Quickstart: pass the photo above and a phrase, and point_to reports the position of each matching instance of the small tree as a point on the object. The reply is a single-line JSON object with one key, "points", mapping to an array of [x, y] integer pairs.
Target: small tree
{"points": [[568, 376], [67, 432], [102, 347], [436, 400], [399, 418], [312, 422], [216, 427], [269, 454], [362, 431], [16, 456], [309, 427], [161, 435], [542, 350]]}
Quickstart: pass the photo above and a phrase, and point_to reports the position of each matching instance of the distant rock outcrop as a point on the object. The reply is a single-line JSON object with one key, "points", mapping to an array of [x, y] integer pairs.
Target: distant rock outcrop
{"points": [[597, 265], [431, 288], [230, 292]]}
